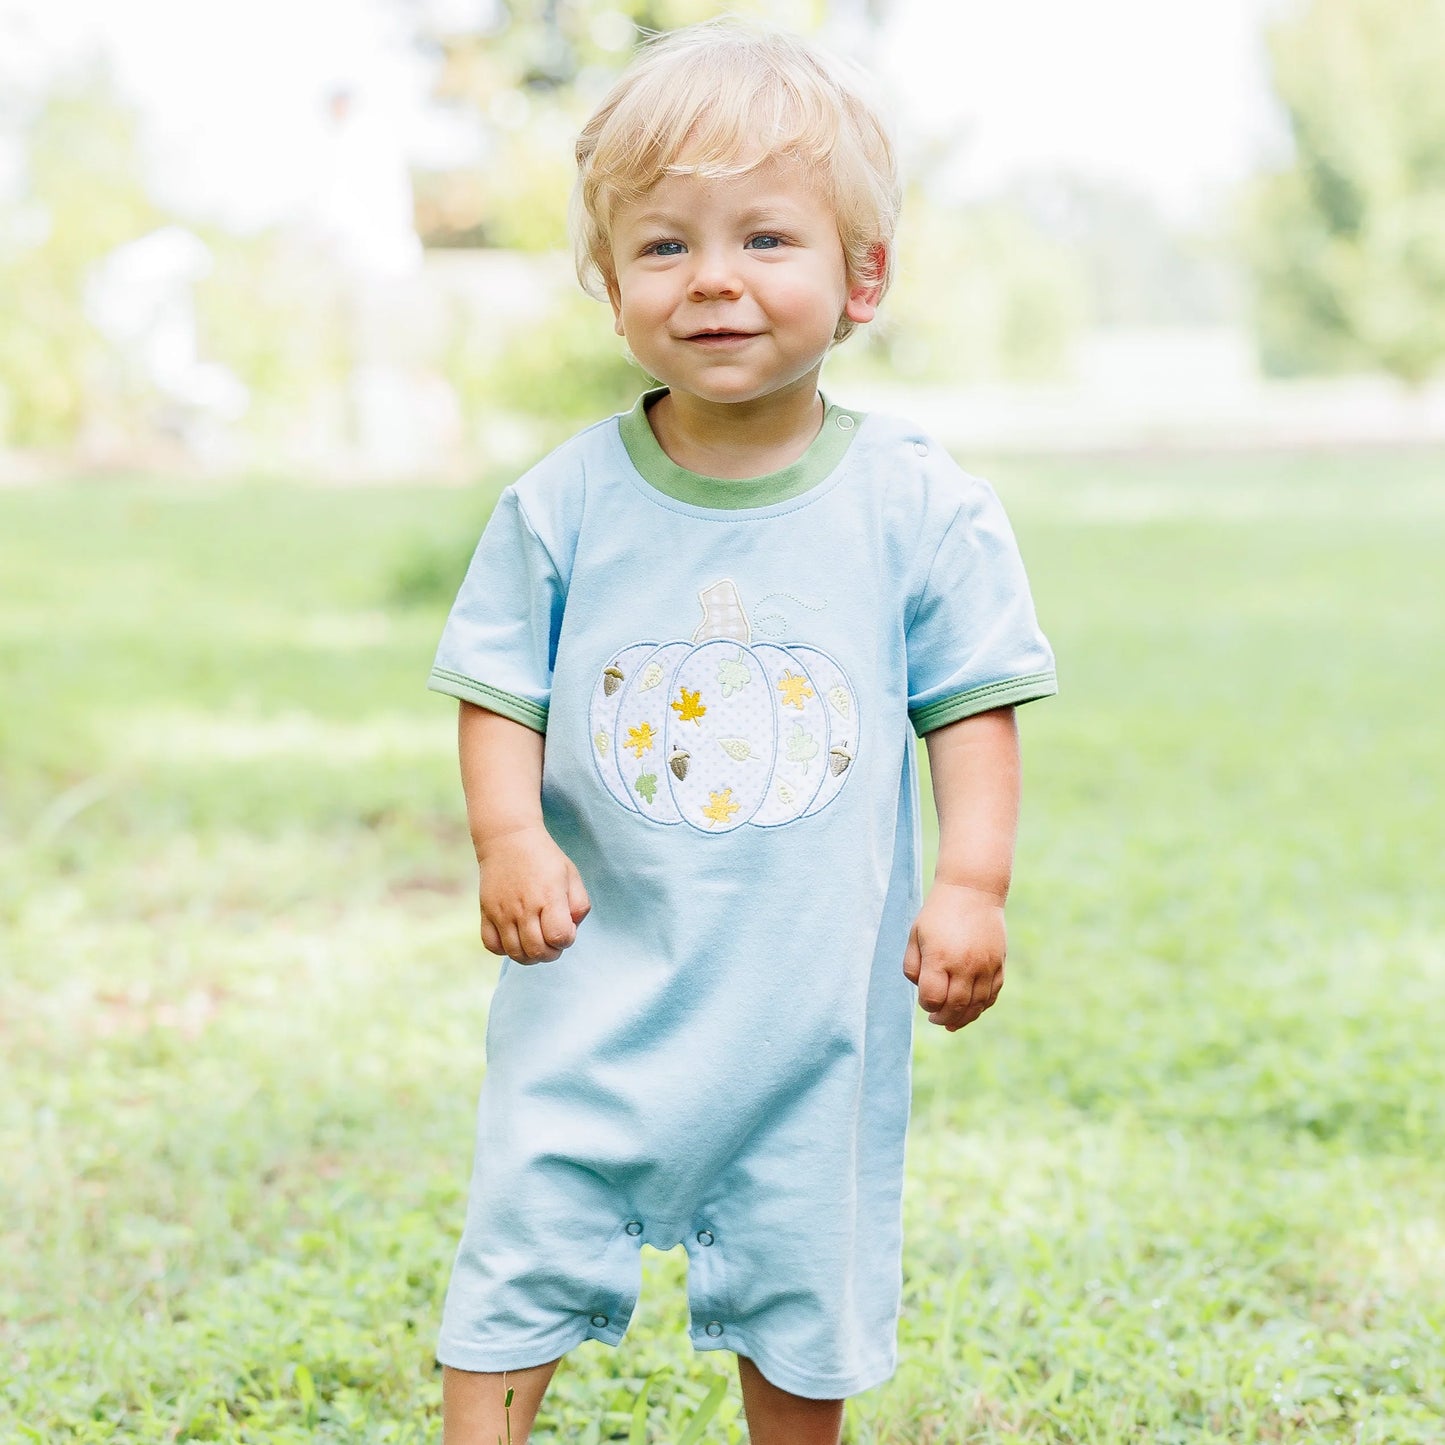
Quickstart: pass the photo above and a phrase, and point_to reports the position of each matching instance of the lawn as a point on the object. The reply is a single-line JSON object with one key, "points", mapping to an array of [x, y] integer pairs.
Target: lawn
{"points": [[1183, 1184]]}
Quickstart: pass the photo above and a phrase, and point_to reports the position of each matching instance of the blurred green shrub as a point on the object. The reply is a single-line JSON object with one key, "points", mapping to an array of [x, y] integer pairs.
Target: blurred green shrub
{"points": [[559, 372], [1347, 246], [275, 312], [981, 293], [83, 195], [571, 368], [429, 570], [47, 348]]}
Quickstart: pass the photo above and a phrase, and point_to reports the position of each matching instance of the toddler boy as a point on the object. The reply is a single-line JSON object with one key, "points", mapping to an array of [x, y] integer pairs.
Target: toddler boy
{"points": [[689, 650]]}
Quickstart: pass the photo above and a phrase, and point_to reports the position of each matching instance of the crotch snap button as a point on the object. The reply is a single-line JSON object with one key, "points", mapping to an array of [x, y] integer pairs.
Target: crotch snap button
{"points": [[921, 448], [600, 1321], [714, 1329], [634, 1229], [704, 1236]]}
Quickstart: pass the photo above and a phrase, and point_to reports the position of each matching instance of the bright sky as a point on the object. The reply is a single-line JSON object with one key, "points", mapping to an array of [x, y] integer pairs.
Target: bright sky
{"points": [[1170, 98]]}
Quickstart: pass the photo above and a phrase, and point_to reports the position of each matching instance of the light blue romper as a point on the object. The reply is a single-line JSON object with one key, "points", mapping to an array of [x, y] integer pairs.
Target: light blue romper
{"points": [[725, 672]]}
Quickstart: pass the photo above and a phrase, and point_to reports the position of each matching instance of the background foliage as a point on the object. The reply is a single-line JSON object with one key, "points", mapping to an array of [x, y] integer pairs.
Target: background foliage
{"points": [[1344, 242], [86, 196], [1348, 243]]}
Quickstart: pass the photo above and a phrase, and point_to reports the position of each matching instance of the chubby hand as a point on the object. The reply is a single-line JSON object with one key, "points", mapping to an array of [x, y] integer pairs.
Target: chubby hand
{"points": [[956, 952], [531, 894]]}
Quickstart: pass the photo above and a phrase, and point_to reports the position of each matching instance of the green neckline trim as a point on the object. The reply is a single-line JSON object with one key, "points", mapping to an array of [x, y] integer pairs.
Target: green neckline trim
{"points": [[729, 494], [468, 689], [1010, 692]]}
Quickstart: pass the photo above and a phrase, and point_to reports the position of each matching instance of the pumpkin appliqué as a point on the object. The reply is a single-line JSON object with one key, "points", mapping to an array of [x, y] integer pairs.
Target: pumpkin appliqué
{"points": [[751, 733]]}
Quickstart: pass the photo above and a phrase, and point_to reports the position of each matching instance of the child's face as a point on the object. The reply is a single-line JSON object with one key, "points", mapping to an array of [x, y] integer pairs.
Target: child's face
{"points": [[730, 290]]}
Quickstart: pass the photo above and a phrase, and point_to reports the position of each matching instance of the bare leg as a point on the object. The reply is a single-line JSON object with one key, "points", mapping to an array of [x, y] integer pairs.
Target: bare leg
{"points": [[777, 1418], [472, 1404]]}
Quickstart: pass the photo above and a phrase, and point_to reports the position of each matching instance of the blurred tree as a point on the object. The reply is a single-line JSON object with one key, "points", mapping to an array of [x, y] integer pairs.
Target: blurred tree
{"points": [[529, 72], [1348, 245], [84, 195]]}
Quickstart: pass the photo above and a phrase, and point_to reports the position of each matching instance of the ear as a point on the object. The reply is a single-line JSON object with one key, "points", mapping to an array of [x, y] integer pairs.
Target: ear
{"points": [[863, 295], [614, 295]]}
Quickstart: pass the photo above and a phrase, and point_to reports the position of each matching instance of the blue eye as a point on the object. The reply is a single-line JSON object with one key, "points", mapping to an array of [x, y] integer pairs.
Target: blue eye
{"points": [[765, 243], [665, 248]]}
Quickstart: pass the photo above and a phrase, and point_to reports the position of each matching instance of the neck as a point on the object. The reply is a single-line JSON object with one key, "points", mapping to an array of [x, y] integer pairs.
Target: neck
{"points": [[738, 440]]}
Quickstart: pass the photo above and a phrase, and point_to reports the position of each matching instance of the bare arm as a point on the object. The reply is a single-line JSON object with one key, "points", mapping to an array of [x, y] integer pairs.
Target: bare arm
{"points": [[532, 898], [957, 947]]}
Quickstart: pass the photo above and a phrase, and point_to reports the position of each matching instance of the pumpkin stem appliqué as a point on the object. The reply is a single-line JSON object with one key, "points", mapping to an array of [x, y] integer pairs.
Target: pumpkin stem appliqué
{"points": [[722, 613]]}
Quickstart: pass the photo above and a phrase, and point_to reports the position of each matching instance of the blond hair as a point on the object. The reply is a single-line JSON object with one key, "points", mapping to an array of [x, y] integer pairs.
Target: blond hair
{"points": [[721, 99]]}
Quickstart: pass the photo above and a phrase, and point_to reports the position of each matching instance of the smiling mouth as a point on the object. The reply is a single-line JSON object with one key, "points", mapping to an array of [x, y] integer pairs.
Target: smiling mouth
{"points": [[719, 336]]}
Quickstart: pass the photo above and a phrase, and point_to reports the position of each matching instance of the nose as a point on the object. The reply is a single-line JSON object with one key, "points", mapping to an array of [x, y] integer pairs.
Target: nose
{"points": [[714, 273]]}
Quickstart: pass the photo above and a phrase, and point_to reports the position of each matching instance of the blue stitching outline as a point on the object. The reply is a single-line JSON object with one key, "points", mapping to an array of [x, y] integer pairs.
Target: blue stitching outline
{"points": [[731, 827], [662, 767], [777, 713], [592, 732], [857, 727]]}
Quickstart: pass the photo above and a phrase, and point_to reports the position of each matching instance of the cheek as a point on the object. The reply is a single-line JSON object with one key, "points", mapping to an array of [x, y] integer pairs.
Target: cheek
{"points": [[643, 303], [808, 298]]}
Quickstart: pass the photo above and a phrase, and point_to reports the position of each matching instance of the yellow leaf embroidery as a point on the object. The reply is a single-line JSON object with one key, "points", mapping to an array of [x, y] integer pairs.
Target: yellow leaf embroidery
{"points": [[640, 739], [794, 689], [690, 709], [720, 807]]}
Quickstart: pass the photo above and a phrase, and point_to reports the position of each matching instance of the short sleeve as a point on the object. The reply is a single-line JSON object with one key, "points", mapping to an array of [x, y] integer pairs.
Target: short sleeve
{"points": [[973, 640], [499, 644]]}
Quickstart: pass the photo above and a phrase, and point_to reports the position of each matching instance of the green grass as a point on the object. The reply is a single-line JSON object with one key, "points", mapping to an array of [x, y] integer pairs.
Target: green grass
{"points": [[1182, 1185]]}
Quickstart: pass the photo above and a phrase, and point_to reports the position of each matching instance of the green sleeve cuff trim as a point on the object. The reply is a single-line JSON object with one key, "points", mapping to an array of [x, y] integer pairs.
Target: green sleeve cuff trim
{"points": [[1009, 693], [519, 709]]}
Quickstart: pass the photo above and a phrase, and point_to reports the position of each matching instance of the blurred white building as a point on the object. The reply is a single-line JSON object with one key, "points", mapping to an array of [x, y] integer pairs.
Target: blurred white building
{"points": [[141, 297]]}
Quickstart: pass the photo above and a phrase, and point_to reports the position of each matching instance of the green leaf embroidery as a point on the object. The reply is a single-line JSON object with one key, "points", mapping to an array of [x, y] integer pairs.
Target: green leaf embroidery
{"points": [[802, 748], [733, 673]]}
